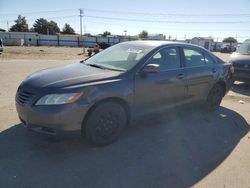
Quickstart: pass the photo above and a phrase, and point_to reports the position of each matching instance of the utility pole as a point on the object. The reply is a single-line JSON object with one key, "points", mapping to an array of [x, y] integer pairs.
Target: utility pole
{"points": [[7, 25], [81, 15]]}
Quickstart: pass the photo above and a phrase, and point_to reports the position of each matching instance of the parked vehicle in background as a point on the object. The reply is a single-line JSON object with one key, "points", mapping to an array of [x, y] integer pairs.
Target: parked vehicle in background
{"points": [[99, 96], [241, 62], [104, 45], [216, 46], [1, 46], [227, 48]]}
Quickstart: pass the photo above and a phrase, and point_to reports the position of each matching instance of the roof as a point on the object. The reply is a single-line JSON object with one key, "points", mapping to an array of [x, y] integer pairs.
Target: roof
{"points": [[160, 43], [153, 43], [156, 43], [3, 30]]}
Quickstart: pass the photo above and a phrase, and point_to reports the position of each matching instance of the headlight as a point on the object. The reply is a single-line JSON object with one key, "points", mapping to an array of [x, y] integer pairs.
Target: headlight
{"points": [[53, 99]]}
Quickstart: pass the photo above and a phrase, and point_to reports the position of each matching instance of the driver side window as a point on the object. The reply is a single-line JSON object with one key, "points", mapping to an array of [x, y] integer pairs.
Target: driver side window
{"points": [[167, 58]]}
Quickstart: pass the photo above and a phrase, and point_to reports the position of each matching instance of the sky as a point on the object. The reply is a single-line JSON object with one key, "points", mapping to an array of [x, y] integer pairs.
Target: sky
{"points": [[181, 19]]}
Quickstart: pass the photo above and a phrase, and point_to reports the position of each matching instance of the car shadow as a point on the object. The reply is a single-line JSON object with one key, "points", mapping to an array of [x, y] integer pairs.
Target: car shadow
{"points": [[174, 148], [241, 88]]}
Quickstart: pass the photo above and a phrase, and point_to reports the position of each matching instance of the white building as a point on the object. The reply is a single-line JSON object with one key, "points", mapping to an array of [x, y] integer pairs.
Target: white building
{"points": [[205, 42], [19, 38], [156, 37]]}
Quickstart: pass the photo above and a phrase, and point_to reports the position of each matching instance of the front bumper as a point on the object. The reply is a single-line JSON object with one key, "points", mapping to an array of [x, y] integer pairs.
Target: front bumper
{"points": [[241, 75], [53, 119]]}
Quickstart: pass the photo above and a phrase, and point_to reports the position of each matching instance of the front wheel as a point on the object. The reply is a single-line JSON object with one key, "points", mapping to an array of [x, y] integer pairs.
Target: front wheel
{"points": [[105, 123], [214, 98]]}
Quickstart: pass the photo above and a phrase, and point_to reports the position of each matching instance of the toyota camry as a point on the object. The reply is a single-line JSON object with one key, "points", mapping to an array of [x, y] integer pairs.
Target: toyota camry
{"points": [[100, 95]]}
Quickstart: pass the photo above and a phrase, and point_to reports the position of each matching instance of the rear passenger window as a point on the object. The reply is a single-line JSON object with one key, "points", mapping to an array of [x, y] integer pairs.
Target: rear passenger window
{"points": [[193, 58]]}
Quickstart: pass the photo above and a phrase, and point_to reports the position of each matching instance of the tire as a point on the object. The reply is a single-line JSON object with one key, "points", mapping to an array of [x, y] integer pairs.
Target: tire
{"points": [[105, 123], [214, 98]]}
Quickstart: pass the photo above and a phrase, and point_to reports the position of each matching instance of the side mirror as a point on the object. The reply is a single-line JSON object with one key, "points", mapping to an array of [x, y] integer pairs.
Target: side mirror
{"points": [[151, 68]]}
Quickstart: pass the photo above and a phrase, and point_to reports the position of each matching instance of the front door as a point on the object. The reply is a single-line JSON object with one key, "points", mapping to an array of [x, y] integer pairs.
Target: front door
{"points": [[154, 91]]}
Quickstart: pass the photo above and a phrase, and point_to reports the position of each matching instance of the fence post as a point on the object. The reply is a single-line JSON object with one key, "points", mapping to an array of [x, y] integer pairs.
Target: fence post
{"points": [[58, 40], [24, 43], [37, 39]]}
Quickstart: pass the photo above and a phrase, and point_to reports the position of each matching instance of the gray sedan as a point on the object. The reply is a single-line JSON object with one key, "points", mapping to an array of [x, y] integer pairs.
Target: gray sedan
{"points": [[99, 96], [241, 62]]}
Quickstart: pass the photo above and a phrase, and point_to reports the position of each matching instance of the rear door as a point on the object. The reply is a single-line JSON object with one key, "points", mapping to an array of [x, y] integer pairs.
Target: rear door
{"points": [[200, 75], [165, 88]]}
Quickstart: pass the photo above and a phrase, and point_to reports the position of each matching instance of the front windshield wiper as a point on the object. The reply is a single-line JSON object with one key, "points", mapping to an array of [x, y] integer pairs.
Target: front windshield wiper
{"points": [[104, 67], [96, 66]]}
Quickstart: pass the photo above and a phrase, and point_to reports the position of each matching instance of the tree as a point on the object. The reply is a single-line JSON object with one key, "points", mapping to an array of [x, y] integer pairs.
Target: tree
{"points": [[230, 40], [42, 26], [106, 33], [20, 25], [143, 34], [53, 28], [68, 29]]}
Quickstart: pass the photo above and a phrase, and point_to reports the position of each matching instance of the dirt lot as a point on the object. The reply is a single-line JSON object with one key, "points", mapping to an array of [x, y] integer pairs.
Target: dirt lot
{"points": [[178, 148]]}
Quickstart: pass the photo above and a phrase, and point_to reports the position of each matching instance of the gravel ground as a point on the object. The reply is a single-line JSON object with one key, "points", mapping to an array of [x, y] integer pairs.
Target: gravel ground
{"points": [[177, 148]]}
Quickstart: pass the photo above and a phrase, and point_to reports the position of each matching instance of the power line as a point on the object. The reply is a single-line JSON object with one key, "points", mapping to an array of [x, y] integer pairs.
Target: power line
{"points": [[167, 21], [37, 12], [48, 18], [133, 13], [168, 14], [145, 20]]}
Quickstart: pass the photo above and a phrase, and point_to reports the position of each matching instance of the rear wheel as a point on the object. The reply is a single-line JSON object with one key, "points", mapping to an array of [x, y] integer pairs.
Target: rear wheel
{"points": [[105, 123], [214, 98]]}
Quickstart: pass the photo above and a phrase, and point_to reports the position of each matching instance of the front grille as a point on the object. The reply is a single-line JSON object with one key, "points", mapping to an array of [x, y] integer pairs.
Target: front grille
{"points": [[23, 97], [242, 66]]}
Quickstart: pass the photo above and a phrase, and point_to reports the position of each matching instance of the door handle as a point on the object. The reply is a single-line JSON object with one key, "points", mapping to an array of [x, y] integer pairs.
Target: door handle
{"points": [[180, 76], [214, 70]]}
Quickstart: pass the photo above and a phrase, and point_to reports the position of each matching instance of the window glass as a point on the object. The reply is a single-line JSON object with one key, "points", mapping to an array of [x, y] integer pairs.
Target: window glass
{"points": [[193, 58], [167, 58], [139, 56], [121, 57], [209, 59]]}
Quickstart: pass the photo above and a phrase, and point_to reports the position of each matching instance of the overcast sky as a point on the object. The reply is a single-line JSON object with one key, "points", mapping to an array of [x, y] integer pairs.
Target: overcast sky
{"points": [[216, 18]]}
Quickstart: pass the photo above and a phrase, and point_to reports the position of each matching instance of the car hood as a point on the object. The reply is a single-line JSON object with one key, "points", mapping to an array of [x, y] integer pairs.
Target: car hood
{"points": [[68, 75], [239, 58]]}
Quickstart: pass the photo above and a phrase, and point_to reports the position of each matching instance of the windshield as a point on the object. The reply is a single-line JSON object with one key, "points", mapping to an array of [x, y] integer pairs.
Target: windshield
{"points": [[244, 47], [120, 57]]}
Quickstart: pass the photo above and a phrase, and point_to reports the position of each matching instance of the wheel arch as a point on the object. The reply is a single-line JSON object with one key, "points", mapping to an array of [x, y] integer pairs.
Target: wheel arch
{"points": [[222, 84], [118, 100]]}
